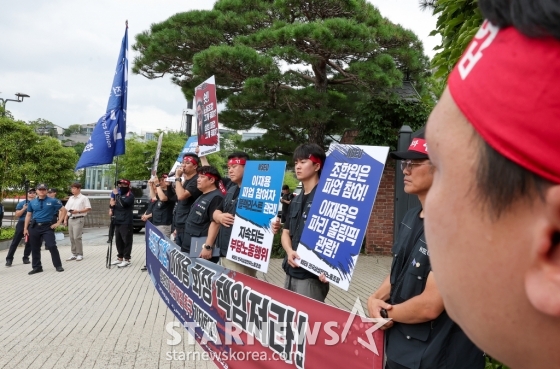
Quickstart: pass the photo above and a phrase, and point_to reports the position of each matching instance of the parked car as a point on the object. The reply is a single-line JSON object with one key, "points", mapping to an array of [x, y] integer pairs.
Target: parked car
{"points": [[141, 201]]}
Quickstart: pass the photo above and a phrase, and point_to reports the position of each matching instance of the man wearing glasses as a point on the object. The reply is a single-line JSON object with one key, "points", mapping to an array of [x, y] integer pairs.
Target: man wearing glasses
{"points": [[419, 332], [39, 226], [21, 212]]}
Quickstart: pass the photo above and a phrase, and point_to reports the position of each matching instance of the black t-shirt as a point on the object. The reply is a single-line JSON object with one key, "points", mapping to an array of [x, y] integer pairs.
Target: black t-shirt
{"points": [[162, 211], [286, 197], [184, 206]]}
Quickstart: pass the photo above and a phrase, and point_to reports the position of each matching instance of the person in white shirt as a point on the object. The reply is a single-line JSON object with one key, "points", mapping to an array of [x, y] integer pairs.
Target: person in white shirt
{"points": [[77, 208]]}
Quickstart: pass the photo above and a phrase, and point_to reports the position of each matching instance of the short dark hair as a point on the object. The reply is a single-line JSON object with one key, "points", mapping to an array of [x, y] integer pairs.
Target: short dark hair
{"points": [[285, 187], [239, 154], [304, 151], [76, 184], [502, 183], [211, 170], [194, 156], [535, 18]]}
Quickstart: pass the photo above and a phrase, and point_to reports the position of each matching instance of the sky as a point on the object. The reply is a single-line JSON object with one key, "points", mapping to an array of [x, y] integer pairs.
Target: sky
{"points": [[63, 54]]}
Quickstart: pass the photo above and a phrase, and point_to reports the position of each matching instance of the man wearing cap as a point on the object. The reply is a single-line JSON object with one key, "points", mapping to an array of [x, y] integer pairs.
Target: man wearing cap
{"points": [[309, 160], [77, 207], [122, 204], [21, 212], [419, 333], [187, 192], [493, 212], [39, 226], [220, 229], [200, 216]]}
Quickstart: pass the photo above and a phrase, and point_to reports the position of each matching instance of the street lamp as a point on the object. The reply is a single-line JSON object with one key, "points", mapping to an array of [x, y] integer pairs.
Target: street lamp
{"points": [[20, 98]]}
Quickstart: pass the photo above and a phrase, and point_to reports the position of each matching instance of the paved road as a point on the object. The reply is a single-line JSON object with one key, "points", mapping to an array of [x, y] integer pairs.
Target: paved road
{"points": [[93, 317]]}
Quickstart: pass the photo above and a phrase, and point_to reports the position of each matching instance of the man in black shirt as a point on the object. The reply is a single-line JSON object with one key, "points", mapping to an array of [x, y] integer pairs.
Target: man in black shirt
{"points": [[122, 204], [220, 230], [200, 216], [419, 333], [309, 160], [286, 199], [187, 192]]}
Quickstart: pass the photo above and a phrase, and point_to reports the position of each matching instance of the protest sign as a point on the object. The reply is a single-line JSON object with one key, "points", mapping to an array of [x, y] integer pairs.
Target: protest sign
{"points": [[257, 205], [339, 216], [206, 108], [244, 323]]}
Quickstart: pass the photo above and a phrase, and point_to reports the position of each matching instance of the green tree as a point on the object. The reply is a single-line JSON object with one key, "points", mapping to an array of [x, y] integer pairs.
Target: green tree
{"points": [[26, 155], [296, 68], [43, 127], [137, 161], [381, 118], [72, 129], [458, 22]]}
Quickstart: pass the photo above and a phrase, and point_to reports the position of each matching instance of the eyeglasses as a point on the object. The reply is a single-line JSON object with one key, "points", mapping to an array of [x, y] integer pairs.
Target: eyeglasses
{"points": [[408, 164]]}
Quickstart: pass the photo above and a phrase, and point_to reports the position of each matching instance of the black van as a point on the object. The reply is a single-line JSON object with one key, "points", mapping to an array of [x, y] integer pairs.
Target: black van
{"points": [[141, 201]]}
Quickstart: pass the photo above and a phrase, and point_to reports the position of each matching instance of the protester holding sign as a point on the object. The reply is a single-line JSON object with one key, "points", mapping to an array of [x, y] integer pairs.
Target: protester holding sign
{"points": [[220, 229], [187, 192], [420, 333], [309, 160], [200, 216]]}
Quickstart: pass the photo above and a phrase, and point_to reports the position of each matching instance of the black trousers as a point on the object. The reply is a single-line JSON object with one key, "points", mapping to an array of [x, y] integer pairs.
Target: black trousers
{"points": [[36, 235], [15, 242], [123, 235]]}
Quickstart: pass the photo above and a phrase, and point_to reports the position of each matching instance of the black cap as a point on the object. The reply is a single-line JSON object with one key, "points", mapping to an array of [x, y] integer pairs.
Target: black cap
{"points": [[32, 189], [52, 189], [417, 150], [42, 186]]}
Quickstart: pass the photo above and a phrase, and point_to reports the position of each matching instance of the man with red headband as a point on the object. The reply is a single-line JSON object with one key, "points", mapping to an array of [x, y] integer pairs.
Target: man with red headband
{"points": [[200, 216], [309, 160], [419, 334], [187, 192], [493, 212], [220, 230], [122, 204]]}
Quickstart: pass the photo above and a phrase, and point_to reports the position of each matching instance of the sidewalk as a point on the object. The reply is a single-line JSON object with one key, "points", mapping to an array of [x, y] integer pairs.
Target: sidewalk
{"points": [[92, 317]]}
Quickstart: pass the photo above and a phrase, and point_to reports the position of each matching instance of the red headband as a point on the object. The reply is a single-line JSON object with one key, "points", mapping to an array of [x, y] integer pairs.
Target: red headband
{"points": [[190, 159], [209, 175], [316, 160], [234, 161], [419, 145], [506, 85]]}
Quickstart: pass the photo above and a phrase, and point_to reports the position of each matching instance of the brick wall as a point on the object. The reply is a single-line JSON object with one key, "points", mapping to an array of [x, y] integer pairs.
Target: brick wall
{"points": [[379, 235]]}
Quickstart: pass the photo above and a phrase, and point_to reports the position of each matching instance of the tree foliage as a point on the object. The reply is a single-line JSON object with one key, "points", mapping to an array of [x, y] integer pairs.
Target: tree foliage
{"points": [[381, 119], [72, 129], [458, 22], [26, 155], [43, 127], [296, 68]]}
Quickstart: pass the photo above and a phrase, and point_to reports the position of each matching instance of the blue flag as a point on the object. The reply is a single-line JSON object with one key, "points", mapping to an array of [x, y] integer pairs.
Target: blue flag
{"points": [[107, 139]]}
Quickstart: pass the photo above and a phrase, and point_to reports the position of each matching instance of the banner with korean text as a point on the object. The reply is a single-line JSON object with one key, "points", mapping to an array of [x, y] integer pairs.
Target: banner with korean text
{"points": [[206, 108], [339, 216], [242, 322], [257, 205]]}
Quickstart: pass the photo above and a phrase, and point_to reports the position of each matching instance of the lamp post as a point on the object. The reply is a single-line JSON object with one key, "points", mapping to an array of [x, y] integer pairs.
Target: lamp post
{"points": [[20, 98]]}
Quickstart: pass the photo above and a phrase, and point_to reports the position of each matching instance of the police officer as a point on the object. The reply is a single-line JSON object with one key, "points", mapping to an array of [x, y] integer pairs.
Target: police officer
{"points": [[21, 212], [39, 226], [420, 334], [200, 216], [122, 203]]}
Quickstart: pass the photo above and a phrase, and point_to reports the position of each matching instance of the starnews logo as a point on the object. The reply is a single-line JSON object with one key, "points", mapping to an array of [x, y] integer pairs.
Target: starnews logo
{"points": [[311, 336]]}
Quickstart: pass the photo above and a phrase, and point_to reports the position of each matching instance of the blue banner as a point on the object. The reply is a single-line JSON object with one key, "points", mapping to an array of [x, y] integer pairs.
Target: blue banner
{"points": [[339, 216], [190, 146], [108, 137]]}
